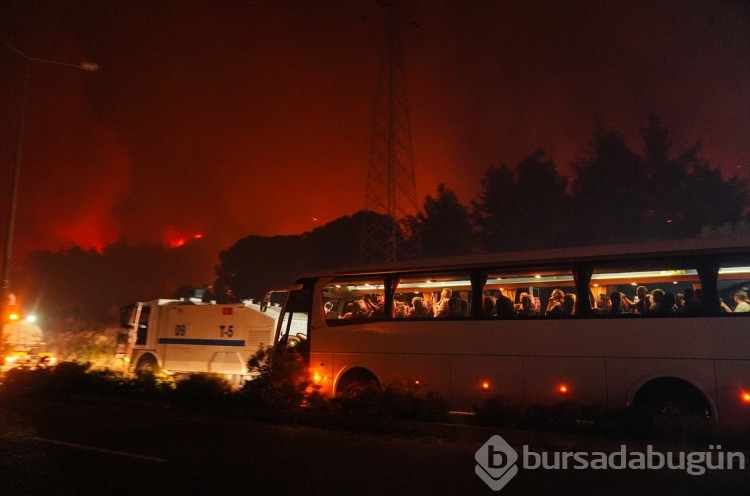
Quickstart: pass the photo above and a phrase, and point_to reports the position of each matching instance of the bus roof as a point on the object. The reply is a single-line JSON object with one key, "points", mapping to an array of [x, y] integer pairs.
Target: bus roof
{"points": [[726, 246]]}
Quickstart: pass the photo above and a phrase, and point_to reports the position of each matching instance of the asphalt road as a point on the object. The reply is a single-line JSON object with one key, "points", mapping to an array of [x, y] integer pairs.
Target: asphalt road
{"points": [[84, 448]]}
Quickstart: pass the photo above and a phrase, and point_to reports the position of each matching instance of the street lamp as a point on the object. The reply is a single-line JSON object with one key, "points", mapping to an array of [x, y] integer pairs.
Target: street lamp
{"points": [[84, 66]]}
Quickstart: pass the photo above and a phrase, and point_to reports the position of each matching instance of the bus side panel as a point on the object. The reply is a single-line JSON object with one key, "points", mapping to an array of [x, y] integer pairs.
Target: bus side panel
{"points": [[321, 368], [476, 378], [549, 380], [425, 372], [734, 407]]}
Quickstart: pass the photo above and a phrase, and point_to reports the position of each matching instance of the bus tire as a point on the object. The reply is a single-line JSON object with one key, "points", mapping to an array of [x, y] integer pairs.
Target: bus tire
{"points": [[355, 382], [147, 364], [671, 404]]}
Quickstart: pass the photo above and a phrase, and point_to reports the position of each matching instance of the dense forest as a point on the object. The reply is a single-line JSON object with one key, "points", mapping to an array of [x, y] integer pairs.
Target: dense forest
{"points": [[614, 194]]}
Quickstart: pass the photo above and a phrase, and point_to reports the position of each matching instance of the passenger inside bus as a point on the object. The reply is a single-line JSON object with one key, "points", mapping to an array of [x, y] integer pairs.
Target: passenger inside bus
{"points": [[376, 308], [526, 306], [555, 305], [420, 307]]}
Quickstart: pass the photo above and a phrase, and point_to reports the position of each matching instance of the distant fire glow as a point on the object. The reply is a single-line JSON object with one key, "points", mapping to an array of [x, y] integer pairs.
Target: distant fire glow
{"points": [[174, 238]]}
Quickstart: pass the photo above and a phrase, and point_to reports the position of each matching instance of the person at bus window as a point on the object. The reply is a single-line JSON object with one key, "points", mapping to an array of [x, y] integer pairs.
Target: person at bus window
{"points": [[642, 302], [657, 296], [400, 309], [691, 306], [419, 307], [489, 309], [740, 298], [356, 309], [349, 311], [569, 304], [555, 305], [617, 306], [376, 308], [526, 306], [664, 303], [603, 305], [680, 305], [503, 306], [443, 307]]}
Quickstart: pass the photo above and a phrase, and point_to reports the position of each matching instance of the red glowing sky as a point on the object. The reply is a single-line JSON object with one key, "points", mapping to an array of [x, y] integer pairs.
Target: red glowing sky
{"points": [[235, 118]]}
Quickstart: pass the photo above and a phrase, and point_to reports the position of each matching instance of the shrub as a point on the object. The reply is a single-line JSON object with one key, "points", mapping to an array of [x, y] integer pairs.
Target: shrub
{"points": [[204, 389], [498, 411], [25, 381], [372, 408], [279, 383], [68, 378]]}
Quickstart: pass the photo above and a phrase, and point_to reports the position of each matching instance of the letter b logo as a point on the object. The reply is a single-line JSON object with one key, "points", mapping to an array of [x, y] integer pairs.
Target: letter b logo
{"points": [[496, 462]]}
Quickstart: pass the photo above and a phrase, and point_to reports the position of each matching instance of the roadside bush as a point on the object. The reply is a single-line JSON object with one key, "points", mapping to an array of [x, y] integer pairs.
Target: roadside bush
{"points": [[409, 403], [374, 409], [75, 378], [22, 381], [68, 378], [279, 383], [498, 411], [203, 389]]}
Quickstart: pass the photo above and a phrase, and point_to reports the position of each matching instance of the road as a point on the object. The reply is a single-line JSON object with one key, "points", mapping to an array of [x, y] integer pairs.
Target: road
{"points": [[82, 448]]}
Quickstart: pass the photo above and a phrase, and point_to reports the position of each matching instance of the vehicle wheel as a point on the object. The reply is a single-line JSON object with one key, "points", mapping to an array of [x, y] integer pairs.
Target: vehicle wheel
{"points": [[147, 365], [673, 408], [357, 388]]}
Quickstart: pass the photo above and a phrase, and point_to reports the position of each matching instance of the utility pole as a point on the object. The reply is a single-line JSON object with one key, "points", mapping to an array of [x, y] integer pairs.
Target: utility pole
{"points": [[8, 298], [391, 199]]}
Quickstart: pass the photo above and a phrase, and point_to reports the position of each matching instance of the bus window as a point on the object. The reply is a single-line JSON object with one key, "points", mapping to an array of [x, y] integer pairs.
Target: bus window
{"points": [[354, 298], [734, 287], [442, 294], [644, 289], [527, 293]]}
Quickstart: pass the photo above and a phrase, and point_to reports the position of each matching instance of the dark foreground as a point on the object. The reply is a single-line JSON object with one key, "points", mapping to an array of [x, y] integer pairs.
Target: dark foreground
{"points": [[85, 448]]}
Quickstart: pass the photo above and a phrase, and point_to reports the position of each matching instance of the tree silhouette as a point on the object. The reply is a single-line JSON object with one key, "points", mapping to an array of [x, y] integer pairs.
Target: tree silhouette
{"points": [[609, 191], [514, 204], [444, 225]]}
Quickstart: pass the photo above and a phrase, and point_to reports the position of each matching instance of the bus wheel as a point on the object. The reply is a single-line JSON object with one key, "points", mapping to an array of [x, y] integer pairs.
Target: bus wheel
{"points": [[356, 382], [147, 365], [671, 406]]}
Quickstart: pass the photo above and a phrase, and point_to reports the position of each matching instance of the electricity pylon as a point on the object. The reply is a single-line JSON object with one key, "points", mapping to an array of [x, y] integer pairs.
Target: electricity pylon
{"points": [[391, 199]]}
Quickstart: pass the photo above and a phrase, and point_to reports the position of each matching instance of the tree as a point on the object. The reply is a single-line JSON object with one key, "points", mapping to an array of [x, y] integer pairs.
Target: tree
{"points": [[685, 193], [521, 209], [609, 191], [444, 225], [256, 264]]}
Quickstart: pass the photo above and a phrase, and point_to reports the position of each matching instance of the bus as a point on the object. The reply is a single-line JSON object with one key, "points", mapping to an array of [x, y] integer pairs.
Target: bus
{"points": [[497, 333]]}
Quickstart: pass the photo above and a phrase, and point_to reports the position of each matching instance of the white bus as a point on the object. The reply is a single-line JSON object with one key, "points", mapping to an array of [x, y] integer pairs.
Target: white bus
{"points": [[689, 358]]}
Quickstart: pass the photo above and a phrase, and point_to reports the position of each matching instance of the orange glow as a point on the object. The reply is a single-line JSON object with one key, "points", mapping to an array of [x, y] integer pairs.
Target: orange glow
{"points": [[318, 379], [13, 316], [176, 239], [485, 386], [745, 396], [417, 383], [563, 389]]}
